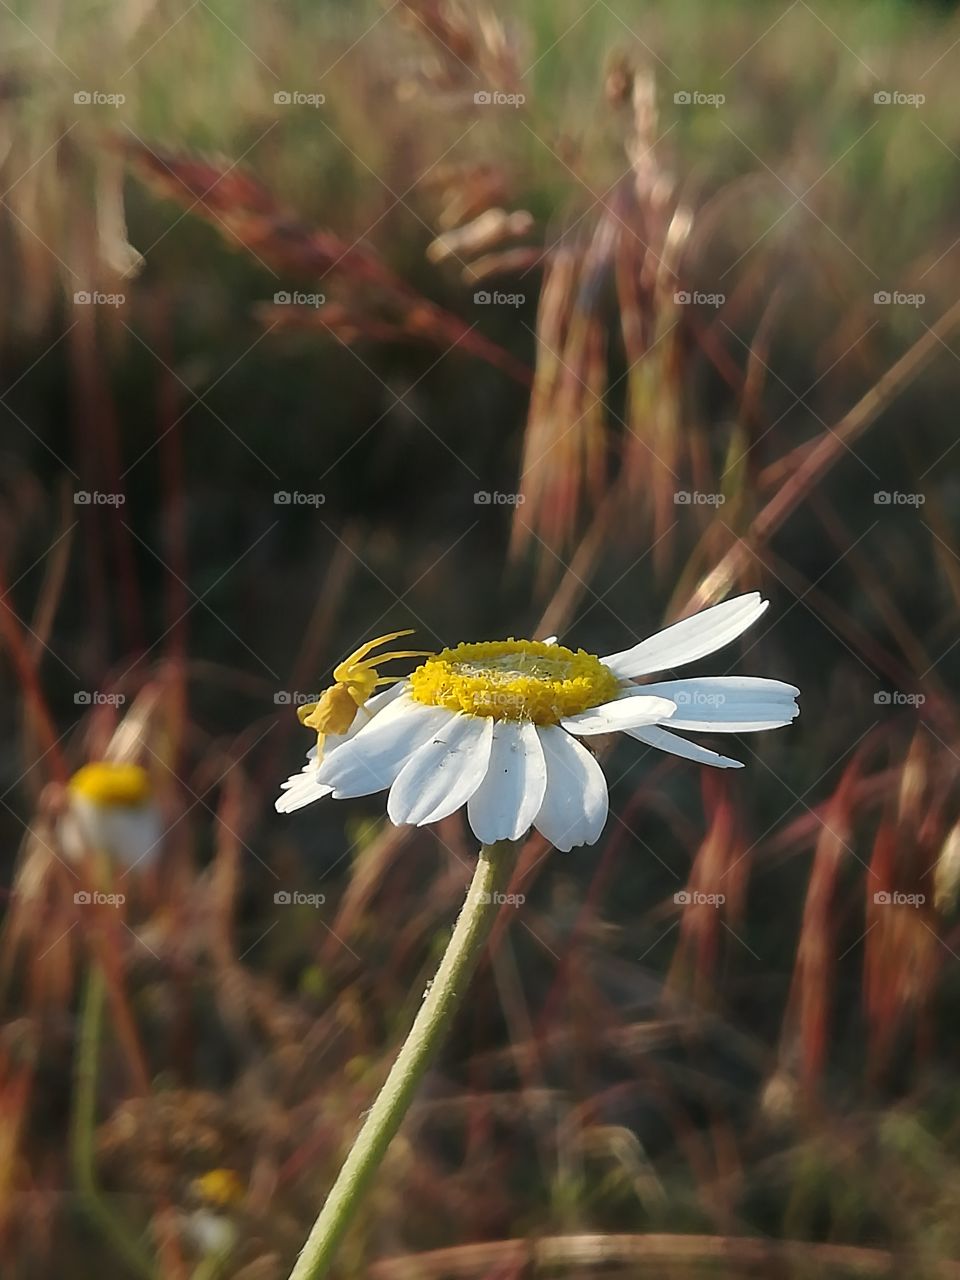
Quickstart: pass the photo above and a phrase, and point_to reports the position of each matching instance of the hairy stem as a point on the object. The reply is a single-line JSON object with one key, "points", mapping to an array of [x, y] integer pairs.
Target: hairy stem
{"points": [[443, 997]]}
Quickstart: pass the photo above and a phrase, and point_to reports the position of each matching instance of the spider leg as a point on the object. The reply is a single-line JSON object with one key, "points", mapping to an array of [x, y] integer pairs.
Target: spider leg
{"points": [[359, 654]]}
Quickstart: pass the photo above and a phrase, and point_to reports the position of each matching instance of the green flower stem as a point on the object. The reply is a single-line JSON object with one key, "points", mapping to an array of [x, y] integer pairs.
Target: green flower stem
{"points": [[84, 1125], [443, 997]]}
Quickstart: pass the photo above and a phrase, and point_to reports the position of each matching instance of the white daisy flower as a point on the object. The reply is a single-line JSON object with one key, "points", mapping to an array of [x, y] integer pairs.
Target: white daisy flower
{"points": [[496, 726], [110, 810]]}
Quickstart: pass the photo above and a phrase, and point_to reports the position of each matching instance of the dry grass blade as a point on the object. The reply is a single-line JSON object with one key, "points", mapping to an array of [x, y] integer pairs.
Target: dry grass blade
{"points": [[658, 1254], [377, 303]]}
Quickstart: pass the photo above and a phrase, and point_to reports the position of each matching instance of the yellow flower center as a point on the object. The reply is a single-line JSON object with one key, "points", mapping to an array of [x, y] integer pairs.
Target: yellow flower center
{"points": [[514, 680], [112, 784], [221, 1187]]}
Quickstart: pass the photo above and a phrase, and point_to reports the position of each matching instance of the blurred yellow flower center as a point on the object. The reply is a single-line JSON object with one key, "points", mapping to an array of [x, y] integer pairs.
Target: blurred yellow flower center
{"points": [[221, 1187], [112, 784], [514, 680]]}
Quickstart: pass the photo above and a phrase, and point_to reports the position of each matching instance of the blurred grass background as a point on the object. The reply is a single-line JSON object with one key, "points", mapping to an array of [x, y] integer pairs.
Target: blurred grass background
{"points": [[637, 1086]]}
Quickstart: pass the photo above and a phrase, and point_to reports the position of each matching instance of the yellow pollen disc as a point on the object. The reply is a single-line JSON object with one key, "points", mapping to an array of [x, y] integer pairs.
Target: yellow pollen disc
{"points": [[221, 1187], [514, 680], [112, 784]]}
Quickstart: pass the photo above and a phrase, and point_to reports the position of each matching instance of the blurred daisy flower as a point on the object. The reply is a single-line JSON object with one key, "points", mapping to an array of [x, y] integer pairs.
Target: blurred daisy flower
{"points": [[210, 1227], [110, 810], [496, 726]]}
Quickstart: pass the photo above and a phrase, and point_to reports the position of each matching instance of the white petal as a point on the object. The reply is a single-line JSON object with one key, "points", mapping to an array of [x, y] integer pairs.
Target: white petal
{"points": [[372, 707], [370, 761], [625, 713], [575, 803], [677, 746], [443, 774], [729, 704], [134, 835], [505, 804], [301, 789], [693, 638], [128, 834]]}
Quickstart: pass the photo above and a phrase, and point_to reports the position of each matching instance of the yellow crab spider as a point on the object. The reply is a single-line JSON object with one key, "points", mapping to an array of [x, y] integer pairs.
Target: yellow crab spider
{"points": [[356, 679]]}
